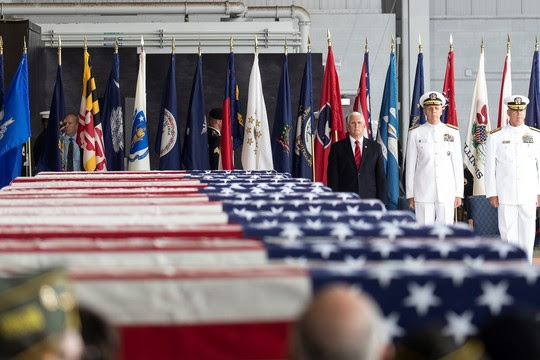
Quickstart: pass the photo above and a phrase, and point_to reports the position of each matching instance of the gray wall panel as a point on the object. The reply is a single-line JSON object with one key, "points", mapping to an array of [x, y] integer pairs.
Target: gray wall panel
{"points": [[458, 7], [437, 7], [483, 7], [506, 7]]}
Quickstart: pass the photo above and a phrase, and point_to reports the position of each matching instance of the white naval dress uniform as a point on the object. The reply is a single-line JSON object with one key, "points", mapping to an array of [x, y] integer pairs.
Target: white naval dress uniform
{"points": [[434, 172], [513, 174]]}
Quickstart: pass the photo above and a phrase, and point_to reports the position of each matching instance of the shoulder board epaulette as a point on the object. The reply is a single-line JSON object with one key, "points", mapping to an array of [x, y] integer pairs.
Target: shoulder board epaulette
{"points": [[414, 127], [452, 126], [534, 129], [495, 130]]}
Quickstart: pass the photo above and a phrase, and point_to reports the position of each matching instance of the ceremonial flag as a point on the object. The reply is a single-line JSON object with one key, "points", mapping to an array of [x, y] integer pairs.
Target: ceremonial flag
{"points": [[281, 132], [449, 115], [532, 117], [417, 114], [167, 140], [506, 88], [362, 102], [139, 158], [113, 119], [478, 129], [90, 132], [195, 155], [388, 133], [256, 150], [51, 155], [303, 144], [14, 123], [330, 126], [232, 129]]}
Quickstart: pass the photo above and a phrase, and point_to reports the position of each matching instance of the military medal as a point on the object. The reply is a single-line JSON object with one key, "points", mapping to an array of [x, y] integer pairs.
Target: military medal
{"points": [[527, 139]]}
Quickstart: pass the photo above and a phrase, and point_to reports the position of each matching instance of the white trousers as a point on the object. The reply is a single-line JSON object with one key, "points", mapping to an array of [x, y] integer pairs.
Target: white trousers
{"points": [[434, 213], [517, 226]]}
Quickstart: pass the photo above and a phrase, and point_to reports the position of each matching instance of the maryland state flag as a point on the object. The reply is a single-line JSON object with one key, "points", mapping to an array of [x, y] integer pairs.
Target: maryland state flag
{"points": [[90, 133]]}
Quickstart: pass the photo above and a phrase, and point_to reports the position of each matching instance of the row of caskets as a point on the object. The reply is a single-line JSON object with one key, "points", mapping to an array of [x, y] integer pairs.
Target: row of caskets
{"points": [[188, 264]]}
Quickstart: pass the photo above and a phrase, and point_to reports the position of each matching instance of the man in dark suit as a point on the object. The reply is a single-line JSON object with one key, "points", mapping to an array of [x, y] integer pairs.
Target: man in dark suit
{"points": [[356, 163]]}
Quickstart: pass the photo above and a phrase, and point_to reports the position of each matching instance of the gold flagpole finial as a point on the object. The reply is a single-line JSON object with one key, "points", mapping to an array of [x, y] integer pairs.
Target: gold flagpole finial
{"points": [[256, 46], [24, 44], [286, 47], [85, 44], [536, 43], [451, 43], [366, 47], [420, 47], [231, 44], [392, 43], [1, 45], [199, 49], [59, 51], [482, 46], [328, 37], [173, 45], [142, 44], [116, 45], [508, 43], [309, 44]]}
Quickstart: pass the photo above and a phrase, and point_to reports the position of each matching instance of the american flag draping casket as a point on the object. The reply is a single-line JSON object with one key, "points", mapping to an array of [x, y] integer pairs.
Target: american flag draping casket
{"points": [[409, 251], [35, 253], [456, 297], [361, 228], [192, 264]]}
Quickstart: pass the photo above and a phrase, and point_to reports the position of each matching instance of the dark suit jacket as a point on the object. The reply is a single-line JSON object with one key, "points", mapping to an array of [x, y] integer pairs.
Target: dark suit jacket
{"points": [[214, 142], [369, 181]]}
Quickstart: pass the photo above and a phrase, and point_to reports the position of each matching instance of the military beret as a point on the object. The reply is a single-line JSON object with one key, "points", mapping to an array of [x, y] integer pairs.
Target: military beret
{"points": [[216, 113]]}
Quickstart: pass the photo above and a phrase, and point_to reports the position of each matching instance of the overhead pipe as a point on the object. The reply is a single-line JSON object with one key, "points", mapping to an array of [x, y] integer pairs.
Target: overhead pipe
{"points": [[292, 12], [231, 9], [137, 8]]}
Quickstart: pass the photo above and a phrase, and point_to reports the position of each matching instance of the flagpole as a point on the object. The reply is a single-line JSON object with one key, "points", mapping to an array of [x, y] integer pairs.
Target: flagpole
{"points": [[60, 137], [28, 153], [366, 47], [313, 134], [329, 40]]}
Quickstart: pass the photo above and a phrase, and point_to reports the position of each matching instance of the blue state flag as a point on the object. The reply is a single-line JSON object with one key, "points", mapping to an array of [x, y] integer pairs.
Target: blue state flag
{"points": [[303, 143], [113, 119], [533, 109], [14, 124], [195, 154], [282, 134], [417, 114], [233, 93], [388, 133], [51, 156], [167, 139]]}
